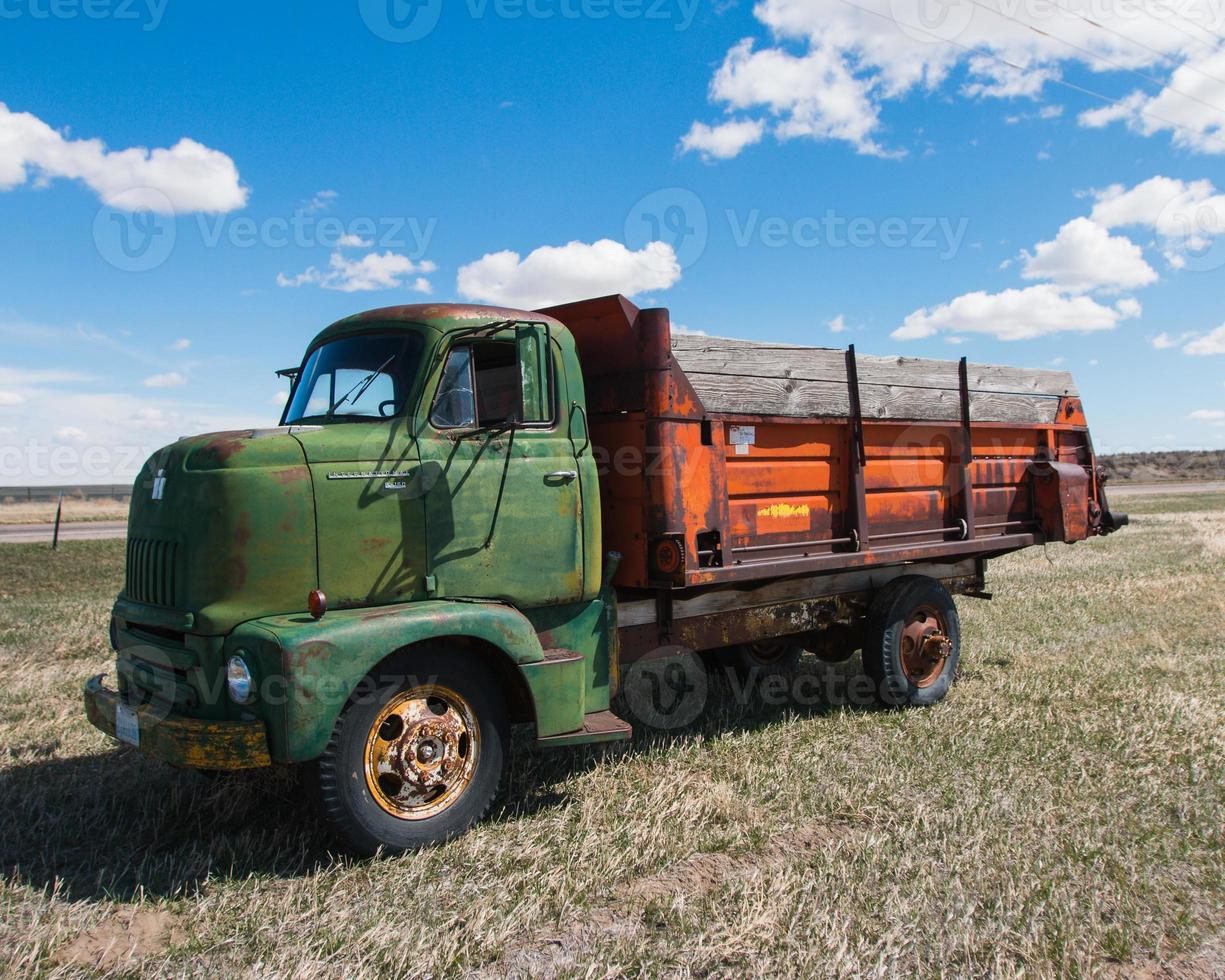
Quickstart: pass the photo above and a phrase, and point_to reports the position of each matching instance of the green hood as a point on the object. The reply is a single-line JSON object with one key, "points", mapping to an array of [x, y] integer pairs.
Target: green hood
{"points": [[222, 526]]}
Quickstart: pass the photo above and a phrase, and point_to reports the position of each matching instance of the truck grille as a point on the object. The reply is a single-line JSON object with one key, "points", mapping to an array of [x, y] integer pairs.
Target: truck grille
{"points": [[151, 571]]}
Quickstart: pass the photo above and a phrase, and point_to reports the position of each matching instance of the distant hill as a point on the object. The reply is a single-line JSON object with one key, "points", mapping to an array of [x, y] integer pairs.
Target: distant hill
{"points": [[1160, 467]]}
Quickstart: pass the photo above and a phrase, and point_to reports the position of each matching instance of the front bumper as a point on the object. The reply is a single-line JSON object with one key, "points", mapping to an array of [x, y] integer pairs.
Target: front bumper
{"points": [[182, 741]]}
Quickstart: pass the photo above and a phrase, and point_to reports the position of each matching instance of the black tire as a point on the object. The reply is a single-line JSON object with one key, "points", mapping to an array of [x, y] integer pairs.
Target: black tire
{"points": [[837, 643], [757, 662], [913, 642], [376, 808]]}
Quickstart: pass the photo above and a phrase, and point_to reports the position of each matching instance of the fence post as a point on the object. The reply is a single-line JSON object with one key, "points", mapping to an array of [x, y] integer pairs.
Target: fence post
{"points": [[55, 535]]}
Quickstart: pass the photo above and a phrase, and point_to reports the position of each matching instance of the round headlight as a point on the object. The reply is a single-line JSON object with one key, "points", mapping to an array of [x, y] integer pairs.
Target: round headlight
{"points": [[238, 681]]}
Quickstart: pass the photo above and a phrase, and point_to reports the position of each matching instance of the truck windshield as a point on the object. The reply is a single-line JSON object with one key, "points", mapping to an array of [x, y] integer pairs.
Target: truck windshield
{"points": [[363, 377]]}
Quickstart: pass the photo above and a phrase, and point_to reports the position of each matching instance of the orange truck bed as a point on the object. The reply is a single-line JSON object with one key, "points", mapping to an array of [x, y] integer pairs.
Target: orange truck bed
{"points": [[725, 460]]}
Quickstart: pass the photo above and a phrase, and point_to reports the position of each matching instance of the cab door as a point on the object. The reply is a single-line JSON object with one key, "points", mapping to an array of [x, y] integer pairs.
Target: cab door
{"points": [[503, 510]]}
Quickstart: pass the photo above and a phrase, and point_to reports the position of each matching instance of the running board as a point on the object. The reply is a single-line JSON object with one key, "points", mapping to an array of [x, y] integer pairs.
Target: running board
{"points": [[599, 726]]}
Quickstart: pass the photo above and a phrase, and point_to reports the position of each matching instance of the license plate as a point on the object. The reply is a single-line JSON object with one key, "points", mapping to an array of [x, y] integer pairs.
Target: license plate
{"points": [[127, 725]]}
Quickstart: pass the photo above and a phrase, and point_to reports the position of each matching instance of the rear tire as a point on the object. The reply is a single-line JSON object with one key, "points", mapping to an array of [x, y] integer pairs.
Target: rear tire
{"points": [[913, 642], [757, 662], [417, 758]]}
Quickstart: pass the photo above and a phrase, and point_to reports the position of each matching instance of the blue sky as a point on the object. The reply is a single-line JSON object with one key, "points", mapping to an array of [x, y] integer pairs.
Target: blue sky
{"points": [[928, 176]]}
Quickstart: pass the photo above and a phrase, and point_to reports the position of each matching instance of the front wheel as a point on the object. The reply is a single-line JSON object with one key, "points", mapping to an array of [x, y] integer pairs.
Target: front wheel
{"points": [[417, 757], [913, 642]]}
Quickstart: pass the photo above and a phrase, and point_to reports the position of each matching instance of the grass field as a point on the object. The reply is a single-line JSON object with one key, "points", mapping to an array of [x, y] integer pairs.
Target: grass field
{"points": [[74, 510], [1061, 813]]}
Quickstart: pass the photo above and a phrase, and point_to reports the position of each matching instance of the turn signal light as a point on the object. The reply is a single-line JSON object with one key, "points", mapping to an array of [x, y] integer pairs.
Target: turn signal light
{"points": [[317, 603]]}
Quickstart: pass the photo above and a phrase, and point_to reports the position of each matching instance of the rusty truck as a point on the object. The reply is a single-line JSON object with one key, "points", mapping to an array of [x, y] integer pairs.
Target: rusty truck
{"points": [[472, 517]]}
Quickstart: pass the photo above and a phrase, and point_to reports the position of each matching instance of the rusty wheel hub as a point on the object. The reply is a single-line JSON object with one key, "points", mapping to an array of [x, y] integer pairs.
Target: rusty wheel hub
{"points": [[925, 646], [421, 752]]}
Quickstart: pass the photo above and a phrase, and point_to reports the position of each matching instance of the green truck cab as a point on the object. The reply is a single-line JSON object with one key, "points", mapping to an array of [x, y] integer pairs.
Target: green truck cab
{"points": [[378, 586]]}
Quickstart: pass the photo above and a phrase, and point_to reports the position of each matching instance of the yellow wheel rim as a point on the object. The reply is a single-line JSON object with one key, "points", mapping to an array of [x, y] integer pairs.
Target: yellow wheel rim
{"points": [[422, 751]]}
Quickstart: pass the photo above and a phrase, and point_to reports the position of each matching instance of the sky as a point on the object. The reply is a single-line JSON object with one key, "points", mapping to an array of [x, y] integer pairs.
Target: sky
{"points": [[190, 191]]}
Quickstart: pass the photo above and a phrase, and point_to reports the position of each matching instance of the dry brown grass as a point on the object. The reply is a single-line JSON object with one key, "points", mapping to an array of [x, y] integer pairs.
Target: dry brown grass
{"points": [[74, 510], [1062, 812]]}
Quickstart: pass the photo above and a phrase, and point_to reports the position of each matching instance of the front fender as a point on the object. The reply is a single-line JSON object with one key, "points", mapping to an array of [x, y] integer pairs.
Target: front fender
{"points": [[307, 670]]}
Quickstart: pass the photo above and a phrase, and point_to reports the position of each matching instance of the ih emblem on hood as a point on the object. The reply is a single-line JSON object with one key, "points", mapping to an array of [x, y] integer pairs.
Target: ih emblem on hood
{"points": [[159, 485]]}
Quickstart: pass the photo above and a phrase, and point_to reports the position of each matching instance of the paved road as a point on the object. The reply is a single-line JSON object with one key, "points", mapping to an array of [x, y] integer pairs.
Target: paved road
{"points": [[1144, 489], [83, 531]]}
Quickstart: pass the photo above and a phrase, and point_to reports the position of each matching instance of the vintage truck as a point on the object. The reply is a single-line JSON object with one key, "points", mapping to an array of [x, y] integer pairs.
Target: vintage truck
{"points": [[471, 517]]}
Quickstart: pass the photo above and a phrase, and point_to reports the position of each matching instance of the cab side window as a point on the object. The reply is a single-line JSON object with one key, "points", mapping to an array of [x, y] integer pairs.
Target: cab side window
{"points": [[490, 382]]}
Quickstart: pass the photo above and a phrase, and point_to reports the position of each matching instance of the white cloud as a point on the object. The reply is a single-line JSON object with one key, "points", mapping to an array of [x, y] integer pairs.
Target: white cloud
{"points": [[70, 433], [372, 272], [8, 398], [354, 241], [184, 178], [1210, 343], [1084, 256], [181, 344], [559, 274], [1189, 107], [1165, 204], [1166, 341], [827, 67], [680, 328], [1016, 314], [279, 399], [1207, 415], [320, 202], [724, 141], [171, 379], [837, 324]]}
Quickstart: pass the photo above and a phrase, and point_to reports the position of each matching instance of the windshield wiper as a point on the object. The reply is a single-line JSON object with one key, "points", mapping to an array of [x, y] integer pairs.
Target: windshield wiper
{"points": [[364, 385]]}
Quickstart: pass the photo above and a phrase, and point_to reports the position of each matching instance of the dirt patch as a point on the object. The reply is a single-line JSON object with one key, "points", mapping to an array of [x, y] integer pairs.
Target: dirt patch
{"points": [[1205, 963], [548, 952], [122, 940]]}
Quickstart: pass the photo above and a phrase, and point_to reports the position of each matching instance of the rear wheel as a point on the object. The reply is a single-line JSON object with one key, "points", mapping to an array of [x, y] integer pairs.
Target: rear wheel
{"points": [[418, 758], [755, 662], [913, 642]]}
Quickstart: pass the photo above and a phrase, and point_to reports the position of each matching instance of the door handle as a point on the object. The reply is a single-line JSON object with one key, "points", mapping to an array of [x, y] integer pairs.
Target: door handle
{"points": [[562, 476]]}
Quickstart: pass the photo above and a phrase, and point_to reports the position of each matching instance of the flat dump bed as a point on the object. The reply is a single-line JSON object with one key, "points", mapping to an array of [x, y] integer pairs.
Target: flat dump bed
{"points": [[728, 461]]}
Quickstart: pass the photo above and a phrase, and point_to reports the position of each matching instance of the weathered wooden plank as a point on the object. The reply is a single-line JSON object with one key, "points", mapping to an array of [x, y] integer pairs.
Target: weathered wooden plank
{"points": [[741, 395], [713, 355]]}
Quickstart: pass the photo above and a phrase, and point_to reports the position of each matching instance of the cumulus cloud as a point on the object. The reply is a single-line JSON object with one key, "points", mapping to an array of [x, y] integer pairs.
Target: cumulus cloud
{"points": [[10, 398], [1188, 108], [724, 141], [181, 344], [1210, 343], [1016, 314], [1207, 415], [559, 274], [186, 177], [1084, 256], [837, 324], [171, 379], [825, 68], [1188, 215], [376, 271]]}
